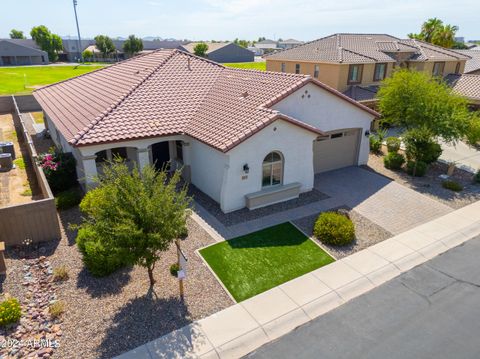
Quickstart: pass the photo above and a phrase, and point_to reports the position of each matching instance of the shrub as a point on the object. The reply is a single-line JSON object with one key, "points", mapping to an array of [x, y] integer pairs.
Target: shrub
{"points": [[68, 199], [10, 311], [174, 268], [99, 260], [59, 168], [27, 192], [420, 146], [375, 144], [416, 168], [60, 274], [334, 229], [476, 177], [452, 185], [393, 144], [393, 161], [56, 309]]}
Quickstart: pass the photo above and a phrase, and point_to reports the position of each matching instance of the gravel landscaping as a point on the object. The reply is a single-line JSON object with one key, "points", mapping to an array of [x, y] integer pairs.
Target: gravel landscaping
{"points": [[367, 234], [431, 184], [245, 215], [105, 317]]}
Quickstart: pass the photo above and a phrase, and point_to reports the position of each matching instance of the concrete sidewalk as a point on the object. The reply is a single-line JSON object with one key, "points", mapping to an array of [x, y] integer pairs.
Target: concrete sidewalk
{"points": [[243, 327]]}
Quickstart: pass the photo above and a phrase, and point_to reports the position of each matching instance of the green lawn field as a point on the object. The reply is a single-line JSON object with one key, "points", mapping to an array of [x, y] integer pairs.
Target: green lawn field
{"points": [[21, 80], [259, 261], [262, 66]]}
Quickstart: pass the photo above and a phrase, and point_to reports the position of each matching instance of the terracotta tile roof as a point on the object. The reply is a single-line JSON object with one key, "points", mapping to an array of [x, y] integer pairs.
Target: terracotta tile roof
{"points": [[170, 92], [472, 64], [467, 85], [364, 48]]}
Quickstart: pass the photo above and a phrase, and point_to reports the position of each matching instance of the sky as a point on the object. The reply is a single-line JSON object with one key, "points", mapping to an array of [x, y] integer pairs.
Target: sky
{"points": [[244, 19]]}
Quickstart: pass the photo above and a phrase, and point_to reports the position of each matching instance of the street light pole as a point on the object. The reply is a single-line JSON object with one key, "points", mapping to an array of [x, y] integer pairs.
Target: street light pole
{"points": [[79, 45]]}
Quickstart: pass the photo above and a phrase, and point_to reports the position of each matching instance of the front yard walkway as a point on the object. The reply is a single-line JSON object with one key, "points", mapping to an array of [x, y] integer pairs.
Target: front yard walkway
{"points": [[392, 206]]}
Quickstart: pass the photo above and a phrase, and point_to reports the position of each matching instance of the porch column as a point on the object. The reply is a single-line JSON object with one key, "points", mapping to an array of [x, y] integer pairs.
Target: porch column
{"points": [[187, 156], [89, 171], [143, 158]]}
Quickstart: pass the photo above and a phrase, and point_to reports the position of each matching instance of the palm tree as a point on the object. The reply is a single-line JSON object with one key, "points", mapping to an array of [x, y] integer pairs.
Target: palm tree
{"points": [[429, 28], [445, 36]]}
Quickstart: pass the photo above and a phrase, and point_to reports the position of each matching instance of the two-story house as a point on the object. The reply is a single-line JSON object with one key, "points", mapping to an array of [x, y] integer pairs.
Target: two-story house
{"points": [[355, 64]]}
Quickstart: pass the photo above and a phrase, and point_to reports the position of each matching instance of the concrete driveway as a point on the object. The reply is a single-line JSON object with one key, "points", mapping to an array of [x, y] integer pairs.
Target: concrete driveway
{"points": [[430, 311], [392, 206]]}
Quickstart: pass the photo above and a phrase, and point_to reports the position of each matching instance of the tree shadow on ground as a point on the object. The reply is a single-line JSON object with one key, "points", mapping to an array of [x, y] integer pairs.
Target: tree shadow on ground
{"points": [[70, 217], [144, 319], [101, 286]]}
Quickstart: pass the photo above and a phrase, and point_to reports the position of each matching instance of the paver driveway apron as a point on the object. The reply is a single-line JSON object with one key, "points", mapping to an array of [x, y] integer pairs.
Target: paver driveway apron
{"points": [[385, 202]]}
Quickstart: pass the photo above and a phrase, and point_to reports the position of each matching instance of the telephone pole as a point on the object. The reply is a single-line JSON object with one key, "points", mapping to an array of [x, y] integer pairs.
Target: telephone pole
{"points": [[78, 31]]}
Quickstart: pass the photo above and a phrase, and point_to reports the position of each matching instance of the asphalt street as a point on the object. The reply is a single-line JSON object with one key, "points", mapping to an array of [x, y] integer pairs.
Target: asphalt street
{"points": [[431, 311]]}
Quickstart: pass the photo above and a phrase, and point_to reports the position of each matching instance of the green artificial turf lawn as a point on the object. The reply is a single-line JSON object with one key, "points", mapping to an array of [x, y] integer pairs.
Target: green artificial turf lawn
{"points": [[259, 261], [262, 66], [17, 80]]}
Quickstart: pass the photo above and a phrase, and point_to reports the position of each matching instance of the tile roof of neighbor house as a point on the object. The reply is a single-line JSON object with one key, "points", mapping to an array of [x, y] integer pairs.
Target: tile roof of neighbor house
{"points": [[467, 85], [364, 48], [362, 93], [472, 64], [170, 92]]}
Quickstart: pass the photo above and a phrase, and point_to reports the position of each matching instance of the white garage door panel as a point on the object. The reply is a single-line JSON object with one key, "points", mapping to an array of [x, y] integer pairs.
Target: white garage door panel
{"points": [[333, 153]]}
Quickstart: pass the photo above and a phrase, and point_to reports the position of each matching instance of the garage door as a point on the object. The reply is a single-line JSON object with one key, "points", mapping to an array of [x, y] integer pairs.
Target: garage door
{"points": [[336, 150]]}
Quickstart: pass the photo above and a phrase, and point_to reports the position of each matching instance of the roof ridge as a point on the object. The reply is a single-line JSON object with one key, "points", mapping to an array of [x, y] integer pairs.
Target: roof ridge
{"points": [[359, 54], [95, 121], [439, 49]]}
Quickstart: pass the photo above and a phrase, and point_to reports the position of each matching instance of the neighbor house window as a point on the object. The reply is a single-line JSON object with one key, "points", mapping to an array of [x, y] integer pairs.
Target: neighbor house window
{"points": [[380, 71], [457, 68], [438, 68], [283, 67], [179, 147], [101, 156], [316, 71], [119, 152], [355, 74], [297, 68], [272, 169]]}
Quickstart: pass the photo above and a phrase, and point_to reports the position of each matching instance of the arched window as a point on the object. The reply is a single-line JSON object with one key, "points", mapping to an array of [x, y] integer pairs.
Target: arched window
{"points": [[272, 169]]}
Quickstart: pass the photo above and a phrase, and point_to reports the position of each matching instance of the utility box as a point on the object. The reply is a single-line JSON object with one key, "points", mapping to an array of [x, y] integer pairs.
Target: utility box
{"points": [[7, 147], [6, 161]]}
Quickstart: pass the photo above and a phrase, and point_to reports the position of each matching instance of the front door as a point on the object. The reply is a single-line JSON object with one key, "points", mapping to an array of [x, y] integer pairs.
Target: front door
{"points": [[161, 155]]}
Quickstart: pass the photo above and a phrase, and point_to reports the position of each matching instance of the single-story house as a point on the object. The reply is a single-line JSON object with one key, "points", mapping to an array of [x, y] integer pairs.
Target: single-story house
{"points": [[223, 52], [14, 52], [289, 43], [245, 138]]}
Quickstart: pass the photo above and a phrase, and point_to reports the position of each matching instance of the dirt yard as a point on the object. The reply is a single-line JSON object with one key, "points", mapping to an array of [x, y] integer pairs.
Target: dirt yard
{"points": [[17, 185]]}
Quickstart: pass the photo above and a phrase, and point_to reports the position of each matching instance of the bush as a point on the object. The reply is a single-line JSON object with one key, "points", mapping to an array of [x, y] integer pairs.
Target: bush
{"points": [[59, 168], [420, 169], [420, 146], [60, 274], [10, 311], [174, 268], [393, 144], [375, 144], [68, 199], [100, 261], [476, 177], [334, 229], [56, 309], [452, 185], [393, 161]]}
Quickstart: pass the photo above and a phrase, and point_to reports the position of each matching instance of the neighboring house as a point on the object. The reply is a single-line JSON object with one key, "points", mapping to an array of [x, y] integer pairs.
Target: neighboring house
{"points": [[245, 138], [223, 52], [472, 65], [288, 44], [267, 44], [467, 85], [355, 64], [14, 52]]}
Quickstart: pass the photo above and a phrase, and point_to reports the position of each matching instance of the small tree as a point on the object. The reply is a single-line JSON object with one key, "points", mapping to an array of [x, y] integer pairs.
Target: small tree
{"points": [[87, 54], [133, 216], [17, 34], [414, 100], [104, 44], [51, 43], [132, 45], [200, 49]]}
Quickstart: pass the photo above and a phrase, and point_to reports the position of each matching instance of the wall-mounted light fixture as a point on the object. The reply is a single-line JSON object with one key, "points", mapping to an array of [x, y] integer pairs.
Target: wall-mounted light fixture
{"points": [[367, 133], [246, 169]]}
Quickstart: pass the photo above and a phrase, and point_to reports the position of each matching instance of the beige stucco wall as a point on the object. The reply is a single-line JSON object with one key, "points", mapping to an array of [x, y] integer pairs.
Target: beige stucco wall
{"points": [[427, 66]]}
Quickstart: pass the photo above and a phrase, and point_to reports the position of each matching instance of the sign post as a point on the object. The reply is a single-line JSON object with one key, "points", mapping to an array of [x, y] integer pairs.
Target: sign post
{"points": [[182, 267]]}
